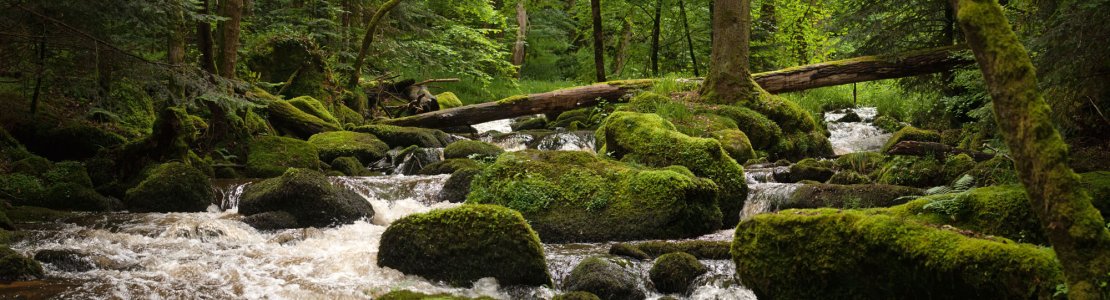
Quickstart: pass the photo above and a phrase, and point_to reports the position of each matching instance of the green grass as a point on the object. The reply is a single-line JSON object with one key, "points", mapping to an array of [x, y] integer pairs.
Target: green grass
{"points": [[885, 95], [670, 84]]}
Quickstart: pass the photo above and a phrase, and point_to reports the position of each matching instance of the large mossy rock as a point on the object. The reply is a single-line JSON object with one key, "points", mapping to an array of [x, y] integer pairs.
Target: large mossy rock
{"points": [[845, 254], [807, 169], [673, 273], [609, 278], [308, 197], [915, 171], [270, 156], [464, 244], [397, 136], [467, 148], [761, 131], [457, 186], [736, 143], [910, 133], [315, 108], [364, 146], [449, 166], [848, 196], [994, 210], [15, 266], [171, 187], [575, 196], [650, 140], [76, 197]]}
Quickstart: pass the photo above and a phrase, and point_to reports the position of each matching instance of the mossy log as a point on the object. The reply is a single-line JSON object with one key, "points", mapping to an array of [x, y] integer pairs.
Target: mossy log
{"points": [[798, 78], [937, 150], [287, 117]]}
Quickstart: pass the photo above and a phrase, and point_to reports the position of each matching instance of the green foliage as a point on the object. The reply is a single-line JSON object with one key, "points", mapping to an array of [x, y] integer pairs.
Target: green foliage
{"points": [[820, 195], [912, 171], [995, 210], [313, 107]]}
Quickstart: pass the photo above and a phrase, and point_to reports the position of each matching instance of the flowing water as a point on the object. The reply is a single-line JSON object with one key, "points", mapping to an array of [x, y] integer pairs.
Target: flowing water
{"points": [[212, 255], [850, 137]]}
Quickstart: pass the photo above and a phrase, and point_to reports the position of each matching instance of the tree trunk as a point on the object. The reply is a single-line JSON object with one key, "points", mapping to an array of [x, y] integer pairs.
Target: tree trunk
{"points": [[1074, 227], [521, 34], [599, 45], [622, 48], [729, 81], [367, 40], [861, 69], [229, 36], [204, 41], [655, 30], [689, 40]]}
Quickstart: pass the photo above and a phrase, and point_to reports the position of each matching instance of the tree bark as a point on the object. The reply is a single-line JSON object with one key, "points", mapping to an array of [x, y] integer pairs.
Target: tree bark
{"points": [[938, 150], [655, 30], [729, 81], [1074, 227], [369, 39], [599, 45], [689, 40], [205, 42], [229, 36], [521, 34], [622, 48], [862, 69]]}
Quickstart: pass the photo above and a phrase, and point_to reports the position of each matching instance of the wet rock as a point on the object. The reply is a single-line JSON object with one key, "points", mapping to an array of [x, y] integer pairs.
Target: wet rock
{"points": [[271, 156], [850, 254], [271, 220], [579, 295], [628, 250], [806, 169], [848, 196], [650, 140], [335, 144], [449, 166], [307, 196], [851, 116], [409, 161], [348, 166], [396, 136], [14, 266], [528, 123], [466, 243], [67, 260], [607, 277], [575, 196], [457, 187], [171, 187], [673, 273], [471, 149]]}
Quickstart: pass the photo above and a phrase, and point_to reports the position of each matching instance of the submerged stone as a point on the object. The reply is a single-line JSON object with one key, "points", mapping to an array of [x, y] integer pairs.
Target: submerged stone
{"points": [[607, 277], [15, 266], [464, 244]]}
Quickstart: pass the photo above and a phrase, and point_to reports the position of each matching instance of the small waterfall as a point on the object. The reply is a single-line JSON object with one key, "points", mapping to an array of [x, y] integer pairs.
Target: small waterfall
{"points": [[407, 162], [503, 126], [229, 192], [515, 141], [396, 196], [850, 137], [568, 141], [766, 197]]}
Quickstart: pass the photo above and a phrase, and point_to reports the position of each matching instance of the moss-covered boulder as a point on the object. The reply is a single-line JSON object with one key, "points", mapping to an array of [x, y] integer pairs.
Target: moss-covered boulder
{"points": [[697, 248], [290, 120], [315, 108], [448, 100], [995, 171], [16, 267], [449, 166], [887, 123], [910, 133], [270, 156], [307, 196], [806, 169], [68, 260], [21, 188], [848, 177], [761, 131], [607, 277], [673, 273], [171, 187], [912, 171], [650, 140], [861, 162], [736, 143], [994, 210], [848, 196], [464, 244], [349, 166], [956, 165], [568, 119], [847, 254], [468, 148], [575, 196], [78, 197], [528, 123], [579, 295], [396, 136], [335, 144]]}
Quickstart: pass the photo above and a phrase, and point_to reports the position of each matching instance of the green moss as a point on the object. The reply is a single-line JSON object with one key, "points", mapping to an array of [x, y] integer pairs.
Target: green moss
{"points": [[957, 165], [308, 197], [528, 123], [912, 171], [736, 143], [73, 196], [910, 133], [21, 188], [457, 186], [34, 214], [270, 156], [674, 272], [67, 171], [408, 295], [1098, 184], [581, 115], [345, 115], [463, 244], [888, 124], [315, 108], [848, 177], [861, 162], [576, 196], [469, 148], [335, 144], [33, 165], [799, 145], [697, 248], [349, 166], [650, 140], [579, 295], [607, 277], [512, 99], [848, 196], [628, 250], [449, 166], [396, 136], [291, 120], [763, 132], [996, 210], [255, 124], [995, 171], [806, 169], [16, 267], [171, 187], [448, 100], [845, 254]]}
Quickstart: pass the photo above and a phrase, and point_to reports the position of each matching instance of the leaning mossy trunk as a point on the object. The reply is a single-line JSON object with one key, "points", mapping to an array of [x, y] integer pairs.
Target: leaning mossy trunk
{"points": [[1074, 227], [845, 254], [574, 196], [650, 140]]}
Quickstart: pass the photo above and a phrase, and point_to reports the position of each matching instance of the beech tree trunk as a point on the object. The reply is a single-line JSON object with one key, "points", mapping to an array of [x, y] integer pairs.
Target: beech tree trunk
{"points": [[729, 81], [599, 45], [655, 28], [862, 69], [367, 40], [1074, 227], [229, 36], [521, 34]]}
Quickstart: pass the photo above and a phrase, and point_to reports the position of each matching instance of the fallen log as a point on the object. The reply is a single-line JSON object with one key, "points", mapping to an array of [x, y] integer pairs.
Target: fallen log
{"points": [[839, 72], [916, 148], [289, 119]]}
